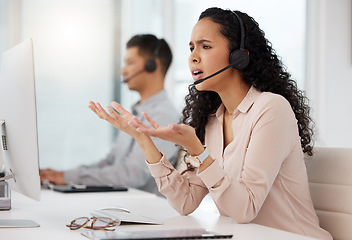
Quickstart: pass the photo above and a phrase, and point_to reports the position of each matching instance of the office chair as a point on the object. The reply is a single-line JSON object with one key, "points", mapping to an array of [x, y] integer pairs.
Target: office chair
{"points": [[330, 181]]}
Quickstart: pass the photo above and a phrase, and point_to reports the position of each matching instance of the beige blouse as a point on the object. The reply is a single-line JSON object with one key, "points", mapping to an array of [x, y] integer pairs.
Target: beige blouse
{"points": [[260, 177]]}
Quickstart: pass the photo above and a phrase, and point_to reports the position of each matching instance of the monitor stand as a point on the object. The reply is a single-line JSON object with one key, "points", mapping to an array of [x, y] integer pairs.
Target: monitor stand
{"points": [[5, 196], [5, 205]]}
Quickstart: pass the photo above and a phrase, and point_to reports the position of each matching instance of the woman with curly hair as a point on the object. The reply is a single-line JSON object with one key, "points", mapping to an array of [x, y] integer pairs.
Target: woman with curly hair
{"points": [[246, 130]]}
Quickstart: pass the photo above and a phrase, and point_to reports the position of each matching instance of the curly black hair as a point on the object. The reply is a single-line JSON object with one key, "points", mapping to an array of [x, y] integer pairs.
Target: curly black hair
{"points": [[265, 72]]}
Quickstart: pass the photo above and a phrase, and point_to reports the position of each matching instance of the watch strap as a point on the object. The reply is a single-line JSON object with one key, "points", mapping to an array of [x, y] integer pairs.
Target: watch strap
{"points": [[201, 157]]}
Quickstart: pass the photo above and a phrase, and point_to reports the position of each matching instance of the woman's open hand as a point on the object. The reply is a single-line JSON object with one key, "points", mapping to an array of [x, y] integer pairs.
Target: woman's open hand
{"points": [[118, 117], [180, 134], [125, 121]]}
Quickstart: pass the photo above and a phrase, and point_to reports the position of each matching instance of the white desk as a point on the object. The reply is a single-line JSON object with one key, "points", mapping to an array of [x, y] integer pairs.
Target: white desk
{"points": [[55, 210]]}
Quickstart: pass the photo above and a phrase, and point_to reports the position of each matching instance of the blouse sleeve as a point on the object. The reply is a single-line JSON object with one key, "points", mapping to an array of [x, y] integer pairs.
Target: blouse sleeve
{"points": [[184, 192], [273, 136]]}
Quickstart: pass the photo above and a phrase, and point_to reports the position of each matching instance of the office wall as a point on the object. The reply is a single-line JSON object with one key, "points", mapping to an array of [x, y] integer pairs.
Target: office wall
{"points": [[329, 70], [74, 63]]}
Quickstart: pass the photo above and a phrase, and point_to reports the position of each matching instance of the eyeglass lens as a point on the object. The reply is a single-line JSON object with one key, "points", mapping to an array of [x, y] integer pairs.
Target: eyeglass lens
{"points": [[97, 223], [78, 223], [102, 223]]}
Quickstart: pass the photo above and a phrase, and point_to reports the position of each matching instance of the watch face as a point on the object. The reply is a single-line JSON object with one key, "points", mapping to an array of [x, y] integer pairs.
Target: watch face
{"points": [[193, 161]]}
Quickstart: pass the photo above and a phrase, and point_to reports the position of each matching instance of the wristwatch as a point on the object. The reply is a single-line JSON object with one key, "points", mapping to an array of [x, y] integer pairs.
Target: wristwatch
{"points": [[196, 161]]}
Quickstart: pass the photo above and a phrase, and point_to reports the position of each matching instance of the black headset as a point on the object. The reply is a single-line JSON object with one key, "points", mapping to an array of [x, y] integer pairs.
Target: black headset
{"points": [[150, 64], [239, 57]]}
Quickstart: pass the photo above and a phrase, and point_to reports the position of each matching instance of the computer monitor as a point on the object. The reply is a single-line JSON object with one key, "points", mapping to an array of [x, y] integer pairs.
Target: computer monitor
{"points": [[18, 120]]}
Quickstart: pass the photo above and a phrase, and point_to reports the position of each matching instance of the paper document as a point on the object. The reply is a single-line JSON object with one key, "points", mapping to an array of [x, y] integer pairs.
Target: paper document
{"points": [[122, 215]]}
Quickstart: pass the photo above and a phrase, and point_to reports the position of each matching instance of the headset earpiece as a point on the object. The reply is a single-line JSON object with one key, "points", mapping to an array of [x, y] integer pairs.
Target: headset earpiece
{"points": [[150, 64], [239, 59]]}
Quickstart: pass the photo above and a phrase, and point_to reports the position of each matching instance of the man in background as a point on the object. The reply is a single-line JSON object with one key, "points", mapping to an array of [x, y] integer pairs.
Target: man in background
{"points": [[146, 61]]}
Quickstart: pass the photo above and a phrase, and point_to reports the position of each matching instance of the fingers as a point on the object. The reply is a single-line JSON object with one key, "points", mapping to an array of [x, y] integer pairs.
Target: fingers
{"points": [[148, 131], [121, 118], [119, 108], [143, 128], [154, 124], [115, 115], [52, 176], [97, 109], [115, 110], [137, 123], [92, 107], [100, 111]]}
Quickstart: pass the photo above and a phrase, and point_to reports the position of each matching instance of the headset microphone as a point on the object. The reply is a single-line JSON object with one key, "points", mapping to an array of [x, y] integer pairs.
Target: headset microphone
{"points": [[133, 75], [218, 72]]}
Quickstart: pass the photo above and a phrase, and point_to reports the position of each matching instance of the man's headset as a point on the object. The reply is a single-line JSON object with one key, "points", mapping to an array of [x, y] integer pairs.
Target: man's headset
{"points": [[150, 65], [238, 59]]}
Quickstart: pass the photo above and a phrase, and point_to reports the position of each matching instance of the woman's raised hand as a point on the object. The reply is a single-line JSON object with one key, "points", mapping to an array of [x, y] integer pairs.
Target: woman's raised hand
{"points": [[181, 134], [125, 121], [118, 117]]}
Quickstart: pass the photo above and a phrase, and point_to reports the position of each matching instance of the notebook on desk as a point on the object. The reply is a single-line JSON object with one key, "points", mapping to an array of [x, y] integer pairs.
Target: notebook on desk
{"points": [[87, 188], [198, 233], [124, 216]]}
